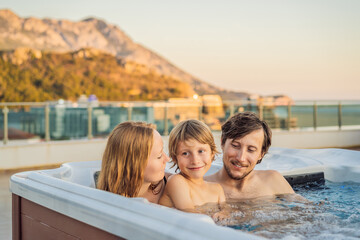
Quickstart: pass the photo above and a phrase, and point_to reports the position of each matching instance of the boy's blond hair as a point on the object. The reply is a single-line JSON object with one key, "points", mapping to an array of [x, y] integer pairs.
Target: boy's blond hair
{"points": [[187, 130]]}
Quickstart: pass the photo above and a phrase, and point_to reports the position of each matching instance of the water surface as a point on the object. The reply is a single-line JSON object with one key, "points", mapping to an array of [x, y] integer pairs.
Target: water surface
{"points": [[332, 212]]}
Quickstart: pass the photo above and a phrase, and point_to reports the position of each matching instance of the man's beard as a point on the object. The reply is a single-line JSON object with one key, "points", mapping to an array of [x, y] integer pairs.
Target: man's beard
{"points": [[232, 176]]}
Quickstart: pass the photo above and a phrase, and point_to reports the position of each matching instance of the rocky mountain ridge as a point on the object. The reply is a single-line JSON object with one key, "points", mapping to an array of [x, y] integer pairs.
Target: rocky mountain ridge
{"points": [[30, 75], [63, 35]]}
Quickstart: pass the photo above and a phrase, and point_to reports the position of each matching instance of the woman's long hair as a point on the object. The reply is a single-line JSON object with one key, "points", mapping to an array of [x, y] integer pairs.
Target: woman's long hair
{"points": [[125, 158]]}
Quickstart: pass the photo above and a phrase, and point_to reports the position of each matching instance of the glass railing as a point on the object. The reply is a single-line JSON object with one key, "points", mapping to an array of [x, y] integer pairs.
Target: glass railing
{"points": [[64, 121]]}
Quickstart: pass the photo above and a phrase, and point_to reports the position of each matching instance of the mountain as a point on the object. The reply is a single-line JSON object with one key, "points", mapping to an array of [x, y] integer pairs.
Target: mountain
{"points": [[64, 35], [33, 75]]}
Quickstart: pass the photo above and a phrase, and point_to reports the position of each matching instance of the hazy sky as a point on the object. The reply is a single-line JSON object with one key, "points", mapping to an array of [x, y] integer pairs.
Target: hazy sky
{"points": [[307, 49]]}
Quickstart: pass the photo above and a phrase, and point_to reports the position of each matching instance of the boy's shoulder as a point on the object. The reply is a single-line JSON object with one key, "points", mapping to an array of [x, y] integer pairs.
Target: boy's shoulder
{"points": [[176, 176], [176, 179], [176, 186]]}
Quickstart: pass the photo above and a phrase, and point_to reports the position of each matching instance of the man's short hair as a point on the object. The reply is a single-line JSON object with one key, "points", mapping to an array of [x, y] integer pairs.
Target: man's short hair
{"points": [[241, 124]]}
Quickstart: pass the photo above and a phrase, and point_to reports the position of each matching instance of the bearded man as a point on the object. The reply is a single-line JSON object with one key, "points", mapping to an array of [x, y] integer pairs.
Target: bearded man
{"points": [[245, 140]]}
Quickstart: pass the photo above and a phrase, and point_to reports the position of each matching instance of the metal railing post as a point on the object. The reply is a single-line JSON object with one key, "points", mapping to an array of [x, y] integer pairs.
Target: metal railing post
{"points": [[340, 115], [232, 110], [315, 116], [166, 127], [90, 136], [47, 123], [129, 112], [6, 137], [289, 116], [261, 111]]}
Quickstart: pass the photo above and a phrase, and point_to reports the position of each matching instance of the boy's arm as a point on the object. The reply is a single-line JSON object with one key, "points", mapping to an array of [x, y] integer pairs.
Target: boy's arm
{"points": [[225, 210], [179, 192]]}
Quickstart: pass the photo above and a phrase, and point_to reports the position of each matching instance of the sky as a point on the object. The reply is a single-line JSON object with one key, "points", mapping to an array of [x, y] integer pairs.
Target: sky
{"points": [[306, 49]]}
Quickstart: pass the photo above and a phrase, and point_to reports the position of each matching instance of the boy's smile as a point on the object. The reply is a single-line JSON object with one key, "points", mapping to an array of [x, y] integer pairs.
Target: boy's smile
{"points": [[195, 168]]}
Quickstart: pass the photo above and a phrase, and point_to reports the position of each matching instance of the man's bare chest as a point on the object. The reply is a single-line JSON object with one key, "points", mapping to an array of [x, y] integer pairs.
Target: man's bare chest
{"points": [[246, 192]]}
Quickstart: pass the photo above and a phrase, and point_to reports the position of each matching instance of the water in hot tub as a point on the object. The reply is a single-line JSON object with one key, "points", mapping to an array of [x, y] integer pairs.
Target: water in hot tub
{"points": [[333, 212]]}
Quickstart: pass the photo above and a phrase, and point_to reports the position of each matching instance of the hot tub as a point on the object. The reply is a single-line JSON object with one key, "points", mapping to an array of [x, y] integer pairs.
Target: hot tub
{"points": [[64, 204]]}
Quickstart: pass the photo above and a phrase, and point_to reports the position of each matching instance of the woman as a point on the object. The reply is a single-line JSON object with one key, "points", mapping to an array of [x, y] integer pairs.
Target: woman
{"points": [[134, 162]]}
